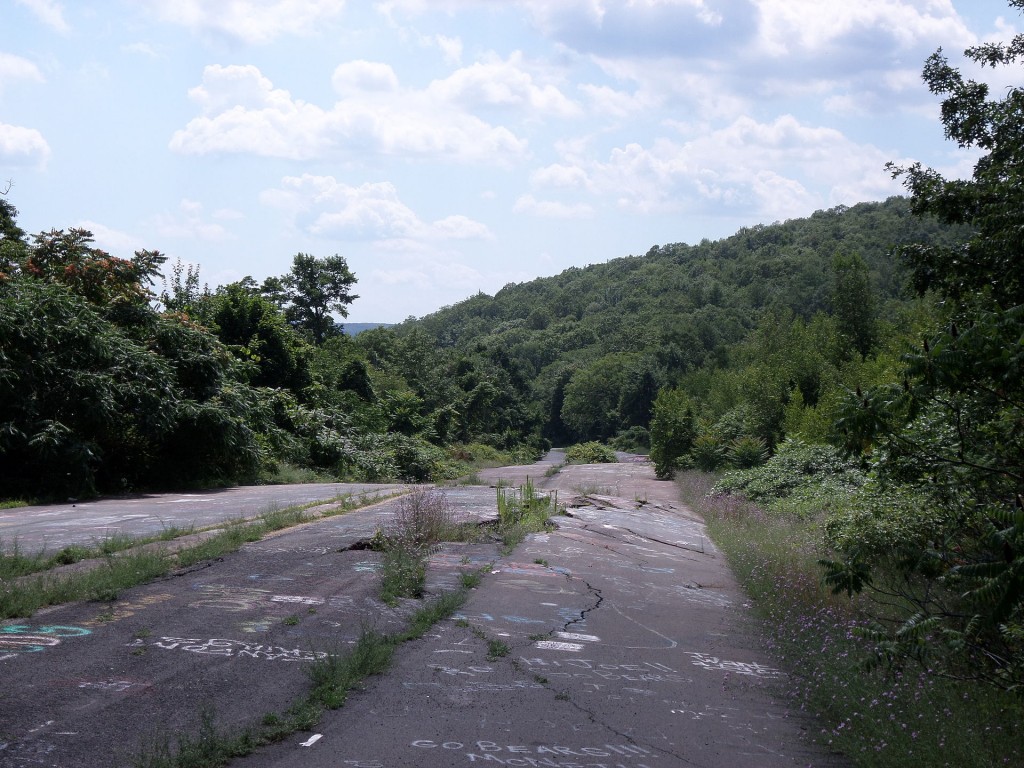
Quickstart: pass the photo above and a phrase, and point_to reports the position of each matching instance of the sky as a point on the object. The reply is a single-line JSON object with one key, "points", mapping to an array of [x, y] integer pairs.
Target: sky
{"points": [[448, 147]]}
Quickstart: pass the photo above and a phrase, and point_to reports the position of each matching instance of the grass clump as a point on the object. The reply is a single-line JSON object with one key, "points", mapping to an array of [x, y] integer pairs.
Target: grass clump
{"points": [[27, 595], [423, 520], [521, 512], [880, 717], [332, 677]]}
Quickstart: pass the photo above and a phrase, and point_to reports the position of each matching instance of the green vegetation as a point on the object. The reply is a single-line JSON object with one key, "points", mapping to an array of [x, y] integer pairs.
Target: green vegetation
{"points": [[26, 585], [591, 452], [423, 520], [331, 677], [521, 512], [884, 716], [105, 387], [885, 546]]}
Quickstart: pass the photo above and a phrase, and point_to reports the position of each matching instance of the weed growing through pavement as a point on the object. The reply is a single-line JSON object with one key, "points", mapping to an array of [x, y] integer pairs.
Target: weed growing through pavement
{"points": [[523, 512], [497, 649], [879, 719], [331, 677], [423, 519]]}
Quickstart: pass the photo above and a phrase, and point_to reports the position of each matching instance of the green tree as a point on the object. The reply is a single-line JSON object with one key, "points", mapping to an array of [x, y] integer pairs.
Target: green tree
{"points": [[68, 257], [13, 244], [853, 302], [258, 333], [951, 430], [311, 291], [673, 429]]}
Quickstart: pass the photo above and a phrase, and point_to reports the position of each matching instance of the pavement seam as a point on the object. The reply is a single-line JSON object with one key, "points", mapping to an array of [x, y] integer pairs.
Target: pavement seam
{"points": [[596, 592]]}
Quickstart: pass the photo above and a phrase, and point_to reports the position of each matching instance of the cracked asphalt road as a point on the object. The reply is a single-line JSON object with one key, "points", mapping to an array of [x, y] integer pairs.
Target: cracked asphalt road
{"points": [[619, 639]]}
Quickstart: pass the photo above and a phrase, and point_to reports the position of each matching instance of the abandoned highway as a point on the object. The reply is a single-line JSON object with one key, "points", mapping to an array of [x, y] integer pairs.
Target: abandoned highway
{"points": [[617, 638]]}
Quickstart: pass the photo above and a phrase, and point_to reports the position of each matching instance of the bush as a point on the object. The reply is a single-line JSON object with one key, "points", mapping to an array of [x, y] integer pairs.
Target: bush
{"points": [[796, 466], [747, 452], [633, 440], [590, 453], [708, 453]]}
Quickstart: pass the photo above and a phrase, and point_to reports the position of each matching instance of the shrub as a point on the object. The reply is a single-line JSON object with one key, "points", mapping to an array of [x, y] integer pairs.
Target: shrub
{"points": [[708, 453], [747, 452], [590, 453]]}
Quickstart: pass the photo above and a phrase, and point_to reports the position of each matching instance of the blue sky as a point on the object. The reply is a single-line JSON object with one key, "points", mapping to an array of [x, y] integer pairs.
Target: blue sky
{"points": [[446, 147]]}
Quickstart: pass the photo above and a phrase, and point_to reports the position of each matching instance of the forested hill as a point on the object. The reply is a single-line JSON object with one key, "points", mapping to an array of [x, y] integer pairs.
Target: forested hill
{"points": [[609, 336]]}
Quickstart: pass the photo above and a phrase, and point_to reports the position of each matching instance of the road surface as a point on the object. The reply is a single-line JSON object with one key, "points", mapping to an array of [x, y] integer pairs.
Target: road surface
{"points": [[617, 639], [52, 527]]}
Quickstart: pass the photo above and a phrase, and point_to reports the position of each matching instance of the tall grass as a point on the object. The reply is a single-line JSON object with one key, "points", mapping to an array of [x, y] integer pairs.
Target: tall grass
{"points": [[523, 511], [26, 585], [885, 718]]}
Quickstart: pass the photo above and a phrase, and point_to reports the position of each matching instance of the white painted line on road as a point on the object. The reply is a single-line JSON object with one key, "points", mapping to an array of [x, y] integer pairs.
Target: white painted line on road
{"points": [[312, 740], [552, 645], [574, 636]]}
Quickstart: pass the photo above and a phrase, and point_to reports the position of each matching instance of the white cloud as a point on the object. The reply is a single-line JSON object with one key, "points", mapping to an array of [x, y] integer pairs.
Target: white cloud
{"points": [[189, 222], [506, 84], [360, 76], [774, 170], [244, 113], [608, 101], [143, 49], [49, 13], [552, 209], [251, 21], [560, 176], [451, 48], [871, 26], [326, 207], [14, 68], [22, 146]]}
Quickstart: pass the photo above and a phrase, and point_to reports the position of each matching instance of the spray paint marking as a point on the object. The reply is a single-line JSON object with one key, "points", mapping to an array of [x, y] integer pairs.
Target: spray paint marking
{"points": [[232, 648], [554, 645], [739, 667], [24, 638], [574, 636]]}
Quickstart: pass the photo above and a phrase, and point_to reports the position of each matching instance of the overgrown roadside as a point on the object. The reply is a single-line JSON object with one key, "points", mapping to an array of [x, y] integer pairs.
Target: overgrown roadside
{"points": [[879, 716], [31, 582]]}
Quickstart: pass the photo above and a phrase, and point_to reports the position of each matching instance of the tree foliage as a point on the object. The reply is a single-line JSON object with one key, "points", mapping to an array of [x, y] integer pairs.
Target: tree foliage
{"points": [[311, 291], [951, 429]]}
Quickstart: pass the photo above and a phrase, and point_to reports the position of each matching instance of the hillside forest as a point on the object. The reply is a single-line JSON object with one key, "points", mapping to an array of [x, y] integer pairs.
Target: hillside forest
{"points": [[876, 347]]}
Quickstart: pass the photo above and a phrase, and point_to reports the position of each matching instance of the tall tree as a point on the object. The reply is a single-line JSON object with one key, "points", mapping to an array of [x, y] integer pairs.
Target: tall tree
{"points": [[952, 429], [311, 291], [853, 302]]}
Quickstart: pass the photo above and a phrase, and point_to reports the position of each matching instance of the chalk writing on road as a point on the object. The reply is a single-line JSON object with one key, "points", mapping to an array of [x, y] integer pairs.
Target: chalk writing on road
{"points": [[555, 645], [113, 685], [617, 674], [19, 753], [546, 756], [230, 599], [739, 667], [231, 648], [25, 638], [125, 609]]}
